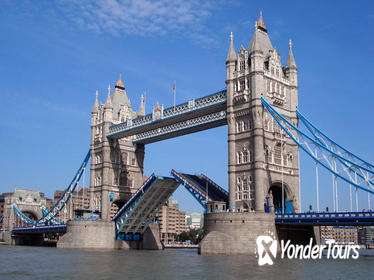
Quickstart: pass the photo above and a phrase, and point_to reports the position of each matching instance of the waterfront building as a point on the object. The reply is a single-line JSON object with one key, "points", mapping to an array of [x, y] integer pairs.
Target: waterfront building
{"points": [[172, 221], [194, 221], [341, 234], [77, 206], [366, 237]]}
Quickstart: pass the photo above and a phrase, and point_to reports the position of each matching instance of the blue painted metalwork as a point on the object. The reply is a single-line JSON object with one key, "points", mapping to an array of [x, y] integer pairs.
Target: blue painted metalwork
{"points": [[135, 197], [40, 229], [350, 169], [51, 214], [196, 192], [1, 219], [338, 218], [140, 210], [311, 147], [22, 216], [54, 220]]}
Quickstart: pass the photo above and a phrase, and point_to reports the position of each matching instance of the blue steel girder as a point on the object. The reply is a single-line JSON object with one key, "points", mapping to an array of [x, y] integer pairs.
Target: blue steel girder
{"points": [[355, 167], [219, 188], [192, 109], [321, 153], [54, 220], [192, 188], [39, 229], [333, 218], [51, 214], [142, 207]]}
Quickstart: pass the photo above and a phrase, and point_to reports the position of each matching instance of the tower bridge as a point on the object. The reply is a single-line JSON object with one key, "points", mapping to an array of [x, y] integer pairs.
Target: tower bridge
{"points": [[260, 109]]}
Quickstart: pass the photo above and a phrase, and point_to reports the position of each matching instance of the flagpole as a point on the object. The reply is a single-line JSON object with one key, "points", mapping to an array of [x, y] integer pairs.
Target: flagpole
{"points": [[174, 94]]}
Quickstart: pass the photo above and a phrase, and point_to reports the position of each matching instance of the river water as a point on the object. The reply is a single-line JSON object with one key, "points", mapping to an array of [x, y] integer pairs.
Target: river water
{"points": [[18, 262]]}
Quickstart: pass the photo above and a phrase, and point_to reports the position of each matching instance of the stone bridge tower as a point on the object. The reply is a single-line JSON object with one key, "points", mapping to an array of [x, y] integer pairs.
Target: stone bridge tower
{"points": [[261, 156], [116, 164]]}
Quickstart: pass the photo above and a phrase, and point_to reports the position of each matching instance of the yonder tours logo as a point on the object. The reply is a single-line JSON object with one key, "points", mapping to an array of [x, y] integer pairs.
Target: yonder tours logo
{"points": [[267, 247]]}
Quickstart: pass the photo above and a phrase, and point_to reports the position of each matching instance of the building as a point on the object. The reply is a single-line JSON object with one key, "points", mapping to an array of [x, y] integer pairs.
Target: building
{"points": [[340, 234], [77, 205], [116, 164], [194, 221], [366, 237], [172, 221], [261, 156]]}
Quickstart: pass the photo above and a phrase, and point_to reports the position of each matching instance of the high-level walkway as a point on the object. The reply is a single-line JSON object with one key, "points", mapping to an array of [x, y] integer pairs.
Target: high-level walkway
{"points": [[195, 115]]}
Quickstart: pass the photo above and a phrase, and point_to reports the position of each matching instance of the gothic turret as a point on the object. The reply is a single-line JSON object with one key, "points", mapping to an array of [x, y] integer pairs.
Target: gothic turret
{"points": [[108, 102], [96, 104], [291, 69], [291, 59], [141, 108], [231, 56]]}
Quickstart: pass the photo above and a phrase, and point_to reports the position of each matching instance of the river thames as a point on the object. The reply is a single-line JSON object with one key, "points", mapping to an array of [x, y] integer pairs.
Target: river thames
{"points": [[18, 262]]}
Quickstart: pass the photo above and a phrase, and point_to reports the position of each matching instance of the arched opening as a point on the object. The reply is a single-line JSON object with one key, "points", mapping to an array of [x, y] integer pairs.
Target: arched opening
{"points": [[115, 207], [278, 196], [29, 214]]}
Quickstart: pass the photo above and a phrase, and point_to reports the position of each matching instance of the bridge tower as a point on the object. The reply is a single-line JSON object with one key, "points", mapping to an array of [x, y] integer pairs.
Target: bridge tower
{"points": [[116, 164], [261, 156]]}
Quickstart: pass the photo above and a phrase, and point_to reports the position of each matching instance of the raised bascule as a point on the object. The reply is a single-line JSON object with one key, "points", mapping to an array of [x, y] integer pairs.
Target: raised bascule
{"points": [[260, 109]]}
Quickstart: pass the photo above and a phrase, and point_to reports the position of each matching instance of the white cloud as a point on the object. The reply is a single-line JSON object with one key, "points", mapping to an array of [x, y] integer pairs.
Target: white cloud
{"points": [[141, 17]]}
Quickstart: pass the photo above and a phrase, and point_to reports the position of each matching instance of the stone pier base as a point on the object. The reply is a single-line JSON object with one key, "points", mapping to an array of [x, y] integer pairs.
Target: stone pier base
{"points": [[88, 234], [101, 235], [234, 233]]}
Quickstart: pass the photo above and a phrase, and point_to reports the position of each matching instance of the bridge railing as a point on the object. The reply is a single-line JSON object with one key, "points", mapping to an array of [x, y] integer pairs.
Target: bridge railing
{"points": [[192, 105], [328, 215]]}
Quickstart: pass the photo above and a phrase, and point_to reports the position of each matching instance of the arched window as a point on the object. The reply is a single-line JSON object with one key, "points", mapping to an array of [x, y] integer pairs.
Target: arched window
{"points": [[237, 127], [242, 126], [249, 124], [245, 184], [245, 156], [239, 157]]}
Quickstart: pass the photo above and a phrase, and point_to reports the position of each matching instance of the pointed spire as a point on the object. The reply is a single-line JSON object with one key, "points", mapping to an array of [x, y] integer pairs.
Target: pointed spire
{"points": [[119, 83], [260, 24], [96, 104], [291, 59], [108, 102], [231, 55], [141, 109]]}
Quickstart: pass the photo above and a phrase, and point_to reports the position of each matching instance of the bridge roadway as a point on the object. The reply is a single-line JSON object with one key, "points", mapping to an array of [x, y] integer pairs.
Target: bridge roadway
{"points": [[132, 219], [195, 115]]}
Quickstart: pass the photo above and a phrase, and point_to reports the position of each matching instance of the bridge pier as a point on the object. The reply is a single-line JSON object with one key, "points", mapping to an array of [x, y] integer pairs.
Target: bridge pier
{"points": [[235, 232], [101, 235]]}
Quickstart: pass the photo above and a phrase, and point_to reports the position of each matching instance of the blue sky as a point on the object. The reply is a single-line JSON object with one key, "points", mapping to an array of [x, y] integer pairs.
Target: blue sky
{"points": [[55, 54]]}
